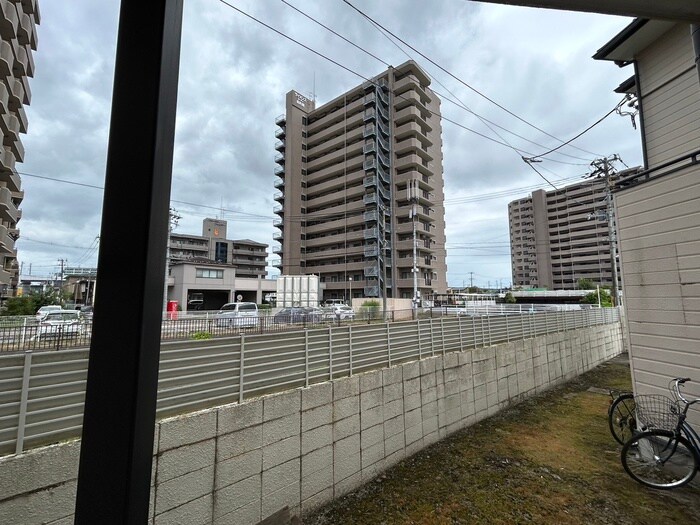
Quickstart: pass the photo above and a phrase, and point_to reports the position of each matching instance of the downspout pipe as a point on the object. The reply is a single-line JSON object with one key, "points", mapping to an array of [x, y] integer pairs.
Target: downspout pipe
{"points": [[695, 36]]}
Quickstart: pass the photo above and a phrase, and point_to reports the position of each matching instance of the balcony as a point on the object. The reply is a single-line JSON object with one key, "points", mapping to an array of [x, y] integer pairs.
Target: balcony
{"points": [[279, 145], [370, 164], [279, 171], [371, 291], [383, 128], [370, 199], [277, 236], [370, 181], [279, 210], [6, 58], [369, 114], [371, 251], [279, 158], [369, 131], [277, 248], [7, 243], [8, 20], [8, 210], [8, 176], [280, 133], [278, 223], [18, 94], [371, 271], [278, 196], [280, 120], [279, 183], [371, 233], [24, 30], [369, 147], [370, 98]]}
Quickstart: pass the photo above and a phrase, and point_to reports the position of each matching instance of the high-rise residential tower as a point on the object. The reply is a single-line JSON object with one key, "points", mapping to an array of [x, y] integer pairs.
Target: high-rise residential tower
{"points": [[361, 188], [18, 40], [558, 237]]}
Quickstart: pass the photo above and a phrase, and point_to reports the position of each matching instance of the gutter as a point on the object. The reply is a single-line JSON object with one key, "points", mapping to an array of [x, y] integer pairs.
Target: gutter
{"points": [[695, 37]]}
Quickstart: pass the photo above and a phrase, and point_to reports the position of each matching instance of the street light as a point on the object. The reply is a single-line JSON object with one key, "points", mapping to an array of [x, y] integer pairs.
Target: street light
{"points": [[350, 281]]}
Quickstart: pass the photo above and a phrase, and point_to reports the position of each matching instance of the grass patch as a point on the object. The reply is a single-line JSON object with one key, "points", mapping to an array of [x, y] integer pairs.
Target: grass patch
{"points": [[550, 459]]}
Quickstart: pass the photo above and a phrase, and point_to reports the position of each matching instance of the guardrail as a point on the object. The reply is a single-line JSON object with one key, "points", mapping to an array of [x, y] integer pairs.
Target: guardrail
{"points": [[43, 392]]}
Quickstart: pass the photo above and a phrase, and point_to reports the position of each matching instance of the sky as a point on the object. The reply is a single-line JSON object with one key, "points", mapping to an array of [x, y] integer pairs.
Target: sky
{"points": [[234, 74]]}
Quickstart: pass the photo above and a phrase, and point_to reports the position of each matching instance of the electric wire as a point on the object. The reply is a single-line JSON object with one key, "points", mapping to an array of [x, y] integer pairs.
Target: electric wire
{"points": [[457, 103], [462, 81]]}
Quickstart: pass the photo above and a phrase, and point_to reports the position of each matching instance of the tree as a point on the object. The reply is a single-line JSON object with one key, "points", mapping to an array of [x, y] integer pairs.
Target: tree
{"points": [[592, 298], [509, 298], [586, 284], [29, 304]]}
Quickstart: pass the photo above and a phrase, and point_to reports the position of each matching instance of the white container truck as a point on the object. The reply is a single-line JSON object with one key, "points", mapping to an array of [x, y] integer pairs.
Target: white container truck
{"points": [[298, 290]]}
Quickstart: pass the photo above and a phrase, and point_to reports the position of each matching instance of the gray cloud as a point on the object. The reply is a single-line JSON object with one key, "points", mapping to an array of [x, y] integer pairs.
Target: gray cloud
{"points": [[235, 73]]}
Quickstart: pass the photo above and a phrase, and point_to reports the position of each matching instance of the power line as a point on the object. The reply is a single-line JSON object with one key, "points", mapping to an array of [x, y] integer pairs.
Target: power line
{"points": [[318, 53], [457, 103], [460, 80]]}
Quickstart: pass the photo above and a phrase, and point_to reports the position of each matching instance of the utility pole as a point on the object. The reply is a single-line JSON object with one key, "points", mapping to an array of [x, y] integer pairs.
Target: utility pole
{"points": [[603, 168], [471, 280], [60, 286], [173, 220]]}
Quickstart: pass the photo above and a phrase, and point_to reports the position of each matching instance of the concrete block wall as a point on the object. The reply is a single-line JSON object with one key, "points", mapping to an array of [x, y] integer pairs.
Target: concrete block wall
{"points": [[238, 464]]}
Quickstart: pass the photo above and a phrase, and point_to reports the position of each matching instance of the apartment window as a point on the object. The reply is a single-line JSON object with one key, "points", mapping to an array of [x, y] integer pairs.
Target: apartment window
{"points": [[205, 273]]}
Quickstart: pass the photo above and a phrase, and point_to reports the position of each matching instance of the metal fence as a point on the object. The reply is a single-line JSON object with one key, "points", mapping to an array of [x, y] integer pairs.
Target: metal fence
{"points": [[42, 393], [26, 333]]}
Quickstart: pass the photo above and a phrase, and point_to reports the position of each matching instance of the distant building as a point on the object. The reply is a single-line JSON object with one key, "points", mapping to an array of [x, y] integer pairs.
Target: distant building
{"points": [[248, 257], [18, 40], [209, 270], [361, 186], [558, 237]]}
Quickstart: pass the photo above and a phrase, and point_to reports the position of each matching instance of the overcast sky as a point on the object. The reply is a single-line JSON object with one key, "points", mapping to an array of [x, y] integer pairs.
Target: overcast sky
{"points": [[234, 74]]}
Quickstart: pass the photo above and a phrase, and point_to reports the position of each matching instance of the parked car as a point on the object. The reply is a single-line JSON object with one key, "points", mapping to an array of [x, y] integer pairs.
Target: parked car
{"points": [[343, 312], [44, 310], [63, 323], [241, 315], [86, 312], [298, 314]]}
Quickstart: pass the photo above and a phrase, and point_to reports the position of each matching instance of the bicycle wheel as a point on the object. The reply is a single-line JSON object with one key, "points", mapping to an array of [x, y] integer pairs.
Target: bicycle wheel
{"points": [[660, 459], [621, 418]]}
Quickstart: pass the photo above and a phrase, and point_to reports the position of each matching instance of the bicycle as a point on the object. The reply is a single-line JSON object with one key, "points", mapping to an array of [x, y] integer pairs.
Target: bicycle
{"points": [[621, 415], [665, 452]]}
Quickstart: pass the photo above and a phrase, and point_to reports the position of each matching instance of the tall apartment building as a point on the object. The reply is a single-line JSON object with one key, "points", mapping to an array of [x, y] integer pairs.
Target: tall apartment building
{"points": [[249, 257], [361, 188], [558, 237], [18, 39]]}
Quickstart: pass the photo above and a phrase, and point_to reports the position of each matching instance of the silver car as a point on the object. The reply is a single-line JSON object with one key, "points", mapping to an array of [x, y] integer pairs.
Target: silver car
{"points": [[63, 323]]}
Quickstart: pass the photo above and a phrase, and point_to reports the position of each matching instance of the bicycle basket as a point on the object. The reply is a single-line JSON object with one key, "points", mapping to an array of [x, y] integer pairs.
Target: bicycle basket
{"points": [[656, 411]]}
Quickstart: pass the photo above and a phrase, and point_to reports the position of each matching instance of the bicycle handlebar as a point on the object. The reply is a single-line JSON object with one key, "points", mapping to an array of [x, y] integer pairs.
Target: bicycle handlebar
{"points": [[676, 384]]}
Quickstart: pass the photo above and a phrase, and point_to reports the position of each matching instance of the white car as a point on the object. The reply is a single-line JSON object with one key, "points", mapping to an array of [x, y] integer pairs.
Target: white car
{"points": [[240, 315], [343, 312], [44, 310], [63, 323]]}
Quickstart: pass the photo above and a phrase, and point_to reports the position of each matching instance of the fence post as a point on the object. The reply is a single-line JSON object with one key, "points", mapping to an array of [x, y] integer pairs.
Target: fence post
{"points": [[442, 333], [350, 341], [420, 343], [24, 333], [24, 399], [461, 334], [474, 330], [241, 378], [330, 353], [306, 357], [388, 342], [432, 336]]}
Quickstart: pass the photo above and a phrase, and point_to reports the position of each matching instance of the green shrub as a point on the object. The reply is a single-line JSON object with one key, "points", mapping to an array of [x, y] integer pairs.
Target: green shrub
{"points": [[201, 335], [370, 309]]}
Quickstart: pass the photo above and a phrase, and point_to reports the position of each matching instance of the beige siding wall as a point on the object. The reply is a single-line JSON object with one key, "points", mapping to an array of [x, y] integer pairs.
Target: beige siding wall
{"points": [[659, 231], [670, 95]]}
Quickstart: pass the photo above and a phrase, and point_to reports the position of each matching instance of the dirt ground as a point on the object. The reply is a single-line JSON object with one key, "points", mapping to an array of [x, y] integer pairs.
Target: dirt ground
{"points": [[547, 460]]}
